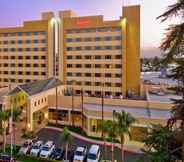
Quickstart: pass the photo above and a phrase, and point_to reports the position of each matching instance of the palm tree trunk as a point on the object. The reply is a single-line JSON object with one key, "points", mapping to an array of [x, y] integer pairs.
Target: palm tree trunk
{"points": [[122, 149], [105, 149], [66, 152], [14, 136], [4, 140]]}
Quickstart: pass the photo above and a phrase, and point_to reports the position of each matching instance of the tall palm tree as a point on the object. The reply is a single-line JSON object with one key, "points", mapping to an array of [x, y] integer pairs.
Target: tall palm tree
{"points": [[103, 126], [123, 121], [66, 140], [4, 116]]}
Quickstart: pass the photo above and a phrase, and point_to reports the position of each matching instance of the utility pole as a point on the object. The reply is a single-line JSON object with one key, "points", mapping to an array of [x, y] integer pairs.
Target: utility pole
{"points": [[82, 102]]}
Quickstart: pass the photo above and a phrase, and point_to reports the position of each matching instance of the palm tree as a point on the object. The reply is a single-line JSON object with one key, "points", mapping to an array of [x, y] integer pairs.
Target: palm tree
{"points": [[66, 139], [103, 126], [4, 116], [123, 121]]}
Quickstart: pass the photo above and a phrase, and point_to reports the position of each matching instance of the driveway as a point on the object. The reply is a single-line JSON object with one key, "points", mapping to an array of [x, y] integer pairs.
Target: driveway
{"points": [[46, 134]]}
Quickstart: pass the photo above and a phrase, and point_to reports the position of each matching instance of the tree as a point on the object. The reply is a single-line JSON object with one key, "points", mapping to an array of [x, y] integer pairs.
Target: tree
{"points": [[158, 145], [4, 116], [66, 139], [123, 122], [173, 46]]}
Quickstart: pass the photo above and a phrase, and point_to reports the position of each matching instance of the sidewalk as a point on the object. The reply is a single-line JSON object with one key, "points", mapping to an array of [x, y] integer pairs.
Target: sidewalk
{"points": [[128, 148]]}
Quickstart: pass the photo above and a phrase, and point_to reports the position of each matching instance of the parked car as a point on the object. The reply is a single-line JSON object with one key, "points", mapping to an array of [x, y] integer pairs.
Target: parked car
{"points": [[93, 154], [80, 154], [36, 148], [26, 147], [47, 149], [6, 158], [57, 154]]}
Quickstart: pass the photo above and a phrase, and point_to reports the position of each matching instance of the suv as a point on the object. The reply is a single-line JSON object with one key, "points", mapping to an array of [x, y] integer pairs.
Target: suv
{"points": [[47, 149], [80, 154], [26, 147], [36, 148], [6, 158]]}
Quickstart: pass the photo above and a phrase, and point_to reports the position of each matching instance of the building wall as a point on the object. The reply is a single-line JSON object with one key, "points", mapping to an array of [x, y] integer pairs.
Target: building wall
{"points": [[96, 53], [25, 52]]}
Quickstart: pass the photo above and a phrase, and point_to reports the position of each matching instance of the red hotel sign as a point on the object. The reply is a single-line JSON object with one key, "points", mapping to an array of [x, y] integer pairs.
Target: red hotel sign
{"points": [[83, 23]]}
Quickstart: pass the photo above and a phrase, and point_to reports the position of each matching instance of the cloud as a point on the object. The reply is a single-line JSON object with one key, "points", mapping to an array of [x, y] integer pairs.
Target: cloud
{"points": [[150, 52]]}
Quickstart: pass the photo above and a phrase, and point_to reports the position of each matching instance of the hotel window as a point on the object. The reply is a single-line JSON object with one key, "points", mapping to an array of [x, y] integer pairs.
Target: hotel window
{"points": [[35, 33], [97, 57], [35, 49], [87, 65], [43, 33], [108, 47], [20, 49], [118, 56], [108, 38], [108, 75], [20, 72], [43, 73], [35, 73], [78, 74], [88, 57], [43, 57], [69, 74], [97, 75], [97, 83], [43, 41], [78, 83], [13, 34], [5, 42], [69, 57], [107, 84], [118, 47], [69, 39], [87, 39], [28, 73], [5, 72], [12, 49], [35, 57], [97, 39], [28, 57], [35, 65], [78, 39], [5, 49], [69, 48], [5, 80], [43, 65], [5, 65], [28, 49], [35, 41], [117, 29], [19, 41], [78, 48], [108, 57], [88, 48], [27, 33], [12, 42], [118, 38], [97, 66], [43, 49], [20, 81], [118, 84], [28, 80], [12, 65], [20, 65], [35, 103], [118, 66], [20, 57], [12, 72], [78, 65], [88, 83], [78, 57], [118, 75], [88, 74], [69, 82], [69, 65], [19, 34], [98, 48], [28, 41], [28, 65]]}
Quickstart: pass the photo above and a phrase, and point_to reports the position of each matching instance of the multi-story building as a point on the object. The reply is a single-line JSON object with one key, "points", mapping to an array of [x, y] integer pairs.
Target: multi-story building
{"points": [[96, 54], [26, 53], [86, 53]]}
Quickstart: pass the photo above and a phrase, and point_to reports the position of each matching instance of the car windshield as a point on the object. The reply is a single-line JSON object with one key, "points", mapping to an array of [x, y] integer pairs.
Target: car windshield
{"points": [[92, 156], [78, 153], [45, 148], [25, 145], [57, 150], [35, 147]]}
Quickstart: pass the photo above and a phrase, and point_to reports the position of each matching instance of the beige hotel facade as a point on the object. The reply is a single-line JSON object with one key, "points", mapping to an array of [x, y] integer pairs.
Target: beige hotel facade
{"points": [[86, 53]]}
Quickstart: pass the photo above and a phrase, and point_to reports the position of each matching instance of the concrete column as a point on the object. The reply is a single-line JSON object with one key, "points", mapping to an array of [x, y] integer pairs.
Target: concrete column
{"points": [[69, 117], [29, 117]]}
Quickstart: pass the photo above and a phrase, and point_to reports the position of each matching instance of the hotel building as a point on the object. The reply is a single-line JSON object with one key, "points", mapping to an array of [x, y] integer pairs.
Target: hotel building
{"points": [[85, 53], [26, 53], [96, 55]]}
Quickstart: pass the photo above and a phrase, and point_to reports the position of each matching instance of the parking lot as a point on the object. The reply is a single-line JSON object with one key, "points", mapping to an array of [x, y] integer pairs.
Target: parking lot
{"points": [[54, 135]]}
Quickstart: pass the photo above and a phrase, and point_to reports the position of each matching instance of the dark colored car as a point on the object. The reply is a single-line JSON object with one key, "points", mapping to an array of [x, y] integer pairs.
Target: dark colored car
{"points": [[57, 154], [6, 158]]}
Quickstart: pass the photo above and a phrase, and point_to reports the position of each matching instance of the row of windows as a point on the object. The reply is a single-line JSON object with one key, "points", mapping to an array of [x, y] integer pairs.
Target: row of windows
{"points": [[23, 57], [22, 65], [38, 102], [17, 80], [21, 49], [107, 75], [106, 84], [78, 57], [22, 34], [79, 48], [23, 41], [92, 30], [21, 73], [89, 39], [90, 66]]}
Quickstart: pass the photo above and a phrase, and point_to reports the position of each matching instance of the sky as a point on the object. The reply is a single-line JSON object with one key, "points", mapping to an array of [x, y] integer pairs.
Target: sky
{"points": [[14, 12]]}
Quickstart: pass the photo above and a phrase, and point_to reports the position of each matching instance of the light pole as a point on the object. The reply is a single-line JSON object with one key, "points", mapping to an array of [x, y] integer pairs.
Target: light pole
{"points": [[113, 113], [72, 114], [82, 100]]}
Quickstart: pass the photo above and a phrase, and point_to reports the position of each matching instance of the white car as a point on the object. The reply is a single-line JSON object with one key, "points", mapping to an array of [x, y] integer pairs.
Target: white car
{"points": [[93, 154], [26, 147], [47, 149], [36, 148], [80, 154]]}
